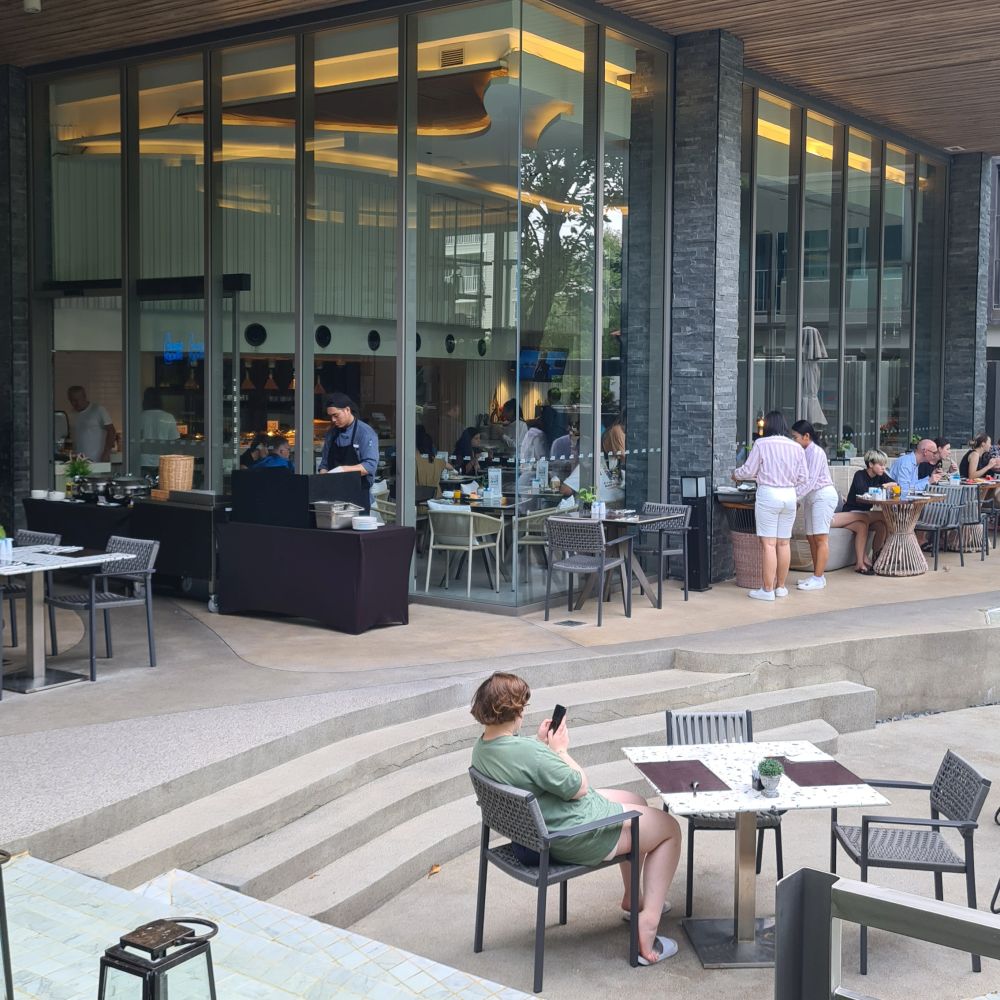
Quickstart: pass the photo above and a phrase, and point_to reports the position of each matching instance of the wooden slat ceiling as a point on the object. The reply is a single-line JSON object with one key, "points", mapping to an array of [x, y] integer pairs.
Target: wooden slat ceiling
{"points": [[927, 68]]}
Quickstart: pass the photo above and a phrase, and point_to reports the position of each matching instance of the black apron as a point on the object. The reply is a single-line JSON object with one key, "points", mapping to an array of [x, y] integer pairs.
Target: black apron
{"points": [[345, 454]]}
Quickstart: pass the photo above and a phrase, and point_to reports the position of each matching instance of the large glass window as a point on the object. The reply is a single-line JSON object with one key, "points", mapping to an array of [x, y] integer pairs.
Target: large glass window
{"points": [[897, 240], [776, 284], [822, 230], [861, 291]]}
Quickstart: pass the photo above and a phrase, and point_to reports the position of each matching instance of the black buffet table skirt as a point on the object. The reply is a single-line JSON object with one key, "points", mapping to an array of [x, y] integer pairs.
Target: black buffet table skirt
{"points": [[86, 524], [347, 580]]}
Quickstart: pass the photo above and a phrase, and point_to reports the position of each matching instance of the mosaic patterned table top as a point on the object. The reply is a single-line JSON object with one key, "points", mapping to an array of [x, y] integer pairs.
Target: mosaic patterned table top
{"points": [[61, 922], [733, 762]]}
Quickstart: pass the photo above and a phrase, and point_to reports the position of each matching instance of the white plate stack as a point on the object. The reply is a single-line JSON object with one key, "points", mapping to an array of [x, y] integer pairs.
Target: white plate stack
{"points": [[364, 522]]}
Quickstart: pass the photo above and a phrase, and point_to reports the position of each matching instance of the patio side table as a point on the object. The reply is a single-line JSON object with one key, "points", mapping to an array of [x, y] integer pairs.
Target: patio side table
{"points": [[901, 555]]}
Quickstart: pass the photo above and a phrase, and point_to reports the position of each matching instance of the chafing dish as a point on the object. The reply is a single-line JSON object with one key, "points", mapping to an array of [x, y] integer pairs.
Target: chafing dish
{"points": [[335, 514]]}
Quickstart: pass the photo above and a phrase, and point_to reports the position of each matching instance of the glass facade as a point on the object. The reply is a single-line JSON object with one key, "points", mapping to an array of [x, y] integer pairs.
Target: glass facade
{"points": [[456, 216], [841, 279]]}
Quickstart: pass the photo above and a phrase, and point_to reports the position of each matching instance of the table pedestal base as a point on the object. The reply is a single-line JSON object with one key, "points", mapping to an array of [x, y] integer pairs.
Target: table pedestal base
{"points": [[714, 942], [29, 683]]}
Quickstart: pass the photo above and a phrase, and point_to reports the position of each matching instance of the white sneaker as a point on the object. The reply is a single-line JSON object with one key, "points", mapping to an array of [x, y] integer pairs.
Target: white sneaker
{"points": [[761, 594], [780, 591], [812, 583]]}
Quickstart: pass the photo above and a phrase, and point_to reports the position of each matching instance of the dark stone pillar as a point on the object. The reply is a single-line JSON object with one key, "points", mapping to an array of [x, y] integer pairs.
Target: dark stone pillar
{"points": [[706, 264], [966, 291], [14, 330]]}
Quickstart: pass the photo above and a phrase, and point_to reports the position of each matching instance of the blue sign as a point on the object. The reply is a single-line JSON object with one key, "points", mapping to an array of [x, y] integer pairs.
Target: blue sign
{"points": [[173, 350], [196, 351]]}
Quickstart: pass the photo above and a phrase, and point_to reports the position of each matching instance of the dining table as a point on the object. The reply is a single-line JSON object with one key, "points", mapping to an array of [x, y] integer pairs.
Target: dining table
{"points": [[901, 555], [33, 562], [718, 778], [616, 525]]}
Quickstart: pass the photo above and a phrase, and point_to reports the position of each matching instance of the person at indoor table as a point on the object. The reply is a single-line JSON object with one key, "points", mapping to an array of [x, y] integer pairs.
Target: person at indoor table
{"points": [[350, 444]]}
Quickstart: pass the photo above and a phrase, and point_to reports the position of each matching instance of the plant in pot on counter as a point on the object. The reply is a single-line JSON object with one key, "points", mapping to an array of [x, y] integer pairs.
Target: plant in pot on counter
{"points": [[77, 467], [770, 772], [587, 497]]}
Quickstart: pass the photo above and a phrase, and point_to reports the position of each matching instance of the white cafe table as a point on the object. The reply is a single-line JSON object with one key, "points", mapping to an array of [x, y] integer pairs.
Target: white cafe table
{"points": [[745, 941], [33, 562]]}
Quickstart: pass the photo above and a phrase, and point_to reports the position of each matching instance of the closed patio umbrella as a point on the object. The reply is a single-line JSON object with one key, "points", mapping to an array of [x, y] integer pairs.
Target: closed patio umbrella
{"points": [[813, 349]]}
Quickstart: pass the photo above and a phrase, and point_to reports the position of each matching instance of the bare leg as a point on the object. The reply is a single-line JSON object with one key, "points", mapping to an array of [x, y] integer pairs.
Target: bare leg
{"points": [[630, 800], [769, 563], [857, 523], [784, 559], [659, 851], [820, 545]]}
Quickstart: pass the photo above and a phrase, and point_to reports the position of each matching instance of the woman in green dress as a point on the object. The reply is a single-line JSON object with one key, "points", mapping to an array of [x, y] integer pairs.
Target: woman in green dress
{"points": [[543, 766]]}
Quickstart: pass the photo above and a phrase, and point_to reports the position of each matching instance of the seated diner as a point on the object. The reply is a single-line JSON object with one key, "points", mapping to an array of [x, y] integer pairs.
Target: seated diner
{"points": [[857, 515]]}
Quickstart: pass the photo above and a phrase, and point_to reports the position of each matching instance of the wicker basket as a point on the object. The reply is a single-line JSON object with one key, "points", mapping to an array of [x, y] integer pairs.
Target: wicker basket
{"points": [[176, 472]]}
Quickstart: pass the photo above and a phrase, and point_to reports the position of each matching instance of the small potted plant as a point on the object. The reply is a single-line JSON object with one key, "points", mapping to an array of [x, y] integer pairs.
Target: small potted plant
{"points": [[78, 467], [770, 771], [587, 497]]}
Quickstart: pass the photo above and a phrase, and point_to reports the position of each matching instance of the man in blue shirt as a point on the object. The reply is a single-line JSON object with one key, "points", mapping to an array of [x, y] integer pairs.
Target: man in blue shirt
{"points": [[904, 469], [278, 457], [350, 444]]}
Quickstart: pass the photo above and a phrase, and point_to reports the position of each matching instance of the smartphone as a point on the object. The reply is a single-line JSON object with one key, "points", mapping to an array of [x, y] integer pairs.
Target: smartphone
{"points": [[557, 718]]}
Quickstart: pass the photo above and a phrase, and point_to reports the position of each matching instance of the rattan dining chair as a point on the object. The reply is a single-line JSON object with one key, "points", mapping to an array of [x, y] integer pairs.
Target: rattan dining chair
{"points": [[137, 576], [660, 545], [465, 531], [586, 552], [957, 794], [514, 813], [686, 728], [971, 516], [14, 588], [940, 517]]}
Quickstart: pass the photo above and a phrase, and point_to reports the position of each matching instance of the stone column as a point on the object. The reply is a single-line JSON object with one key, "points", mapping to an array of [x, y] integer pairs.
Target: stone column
{"points": [[706, 263], [14, 329], [966, 292]]}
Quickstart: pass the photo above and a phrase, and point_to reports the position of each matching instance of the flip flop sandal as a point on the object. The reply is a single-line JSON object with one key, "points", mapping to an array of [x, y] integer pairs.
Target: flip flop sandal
{"points": [[867, 571], [628, 916], [664, 947]]}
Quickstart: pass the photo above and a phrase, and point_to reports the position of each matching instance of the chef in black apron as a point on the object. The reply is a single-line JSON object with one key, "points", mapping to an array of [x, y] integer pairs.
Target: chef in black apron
{"points": [[351, 445]]}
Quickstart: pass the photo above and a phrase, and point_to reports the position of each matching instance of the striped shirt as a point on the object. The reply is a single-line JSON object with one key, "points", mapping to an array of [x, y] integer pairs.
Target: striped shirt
{"points": [[775, 461], [818, 471]]}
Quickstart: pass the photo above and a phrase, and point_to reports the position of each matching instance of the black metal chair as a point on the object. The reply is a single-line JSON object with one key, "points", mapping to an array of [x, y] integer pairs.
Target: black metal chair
{"points": [[957, 793], [941, 517], [971, 516], [514, 813], [685, 728], [136, 574], [663, 549], [14, 588], [586, 552]]}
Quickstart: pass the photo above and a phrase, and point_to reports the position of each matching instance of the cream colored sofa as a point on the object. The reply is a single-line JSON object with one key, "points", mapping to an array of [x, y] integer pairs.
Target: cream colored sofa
{"points": [[841, 540]]}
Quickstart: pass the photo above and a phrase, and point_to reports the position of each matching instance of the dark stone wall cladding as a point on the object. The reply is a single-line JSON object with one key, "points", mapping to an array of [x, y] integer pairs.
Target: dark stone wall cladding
{"points": [[705, 273], [14, 329], [966, 291]]}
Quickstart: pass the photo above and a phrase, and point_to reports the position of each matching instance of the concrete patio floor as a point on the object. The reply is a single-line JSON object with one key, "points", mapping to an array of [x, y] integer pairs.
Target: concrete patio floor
{"points": [[587, 959]]}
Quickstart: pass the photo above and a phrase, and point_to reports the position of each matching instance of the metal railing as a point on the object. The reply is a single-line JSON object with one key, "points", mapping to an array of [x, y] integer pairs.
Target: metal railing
{"points": [[812, 908]]}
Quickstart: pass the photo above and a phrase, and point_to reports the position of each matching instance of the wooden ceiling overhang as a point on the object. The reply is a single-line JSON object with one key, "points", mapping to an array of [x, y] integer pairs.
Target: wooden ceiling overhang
{"points": [[925, 68]]}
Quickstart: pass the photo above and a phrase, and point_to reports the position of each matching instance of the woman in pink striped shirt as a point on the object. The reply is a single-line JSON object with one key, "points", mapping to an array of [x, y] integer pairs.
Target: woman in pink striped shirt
{"points": [[779, 466], [819, 503]]}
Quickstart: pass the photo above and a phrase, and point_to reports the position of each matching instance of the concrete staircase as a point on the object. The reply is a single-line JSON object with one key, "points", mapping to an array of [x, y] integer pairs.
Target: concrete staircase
{"points": [[334, 832]]}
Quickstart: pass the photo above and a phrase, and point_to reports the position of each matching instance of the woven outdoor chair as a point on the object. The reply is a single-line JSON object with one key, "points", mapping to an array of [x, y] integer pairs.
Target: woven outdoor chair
{"points": [[971, 515], [957, 793], [659, 536], [586, 552], [14, 588], [514, 813], [941, 517], [685, 728], [137, 576]]}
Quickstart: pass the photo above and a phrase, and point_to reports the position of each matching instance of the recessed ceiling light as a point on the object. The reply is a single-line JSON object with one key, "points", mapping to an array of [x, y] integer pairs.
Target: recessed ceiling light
{"points": [[954, 149]]}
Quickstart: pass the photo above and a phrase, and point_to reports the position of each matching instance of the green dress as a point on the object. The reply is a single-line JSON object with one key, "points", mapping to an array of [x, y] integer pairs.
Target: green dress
{"points": [[529, 764]]}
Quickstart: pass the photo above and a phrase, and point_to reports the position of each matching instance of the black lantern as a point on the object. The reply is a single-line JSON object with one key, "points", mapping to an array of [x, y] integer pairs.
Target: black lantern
{"points": [[6, 980], [157, 956]]}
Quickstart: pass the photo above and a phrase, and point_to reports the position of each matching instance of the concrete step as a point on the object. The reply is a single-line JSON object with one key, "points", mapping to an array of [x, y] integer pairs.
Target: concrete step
{"points": [[197, 832], [846, 706], [357, 883], [275, 861], [816, 731]]}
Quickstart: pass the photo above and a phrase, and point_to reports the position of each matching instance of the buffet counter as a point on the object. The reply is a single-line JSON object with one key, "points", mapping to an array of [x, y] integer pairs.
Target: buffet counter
{"points": [[346, 580]]}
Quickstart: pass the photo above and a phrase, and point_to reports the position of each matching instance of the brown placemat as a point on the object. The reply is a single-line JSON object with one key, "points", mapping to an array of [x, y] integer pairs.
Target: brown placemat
{"points": [[672, 776], [809, 773]]}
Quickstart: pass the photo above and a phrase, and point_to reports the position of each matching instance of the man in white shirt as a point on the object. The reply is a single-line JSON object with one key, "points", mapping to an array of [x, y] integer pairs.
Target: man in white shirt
{"points": [[155, 424], [93, 431]]}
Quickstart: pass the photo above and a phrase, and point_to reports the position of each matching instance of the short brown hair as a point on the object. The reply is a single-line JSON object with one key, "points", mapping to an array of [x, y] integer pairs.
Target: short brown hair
{"points": [[499, 699]]}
